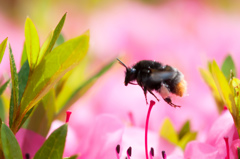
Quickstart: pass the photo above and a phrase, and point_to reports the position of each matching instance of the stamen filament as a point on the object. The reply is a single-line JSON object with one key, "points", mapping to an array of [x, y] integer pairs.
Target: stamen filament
{"points": [[146, 127], [227, 146]]}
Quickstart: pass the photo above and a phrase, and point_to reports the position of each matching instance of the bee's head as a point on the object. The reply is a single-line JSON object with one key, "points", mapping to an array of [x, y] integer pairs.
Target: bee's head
{"points": [[130, 73]]}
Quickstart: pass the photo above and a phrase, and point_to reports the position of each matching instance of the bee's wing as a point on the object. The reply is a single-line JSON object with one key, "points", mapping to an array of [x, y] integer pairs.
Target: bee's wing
{"points": [[160, 75]]}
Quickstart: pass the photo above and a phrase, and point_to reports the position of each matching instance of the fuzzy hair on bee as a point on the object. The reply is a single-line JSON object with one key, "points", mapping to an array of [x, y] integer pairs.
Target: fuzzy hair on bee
{"points": [[153, 76]]}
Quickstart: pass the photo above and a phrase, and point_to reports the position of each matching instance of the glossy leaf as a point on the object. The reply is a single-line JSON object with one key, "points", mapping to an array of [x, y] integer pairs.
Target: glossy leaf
{"points": [[15, 87], [11, 148], [1, 150], [53, 147], [32, 43], [227, 66], [56, 33], [52, 67], [223, 87], [2, 110], [2, 48], [3, 87], [184, 130], [42, 117], [168, 132], [226, 93], [24, 54], [72, 157], [22, 81], [51, 39], [208, 78], [187, 138], [44, 47], [60, 40], [78, 91]]}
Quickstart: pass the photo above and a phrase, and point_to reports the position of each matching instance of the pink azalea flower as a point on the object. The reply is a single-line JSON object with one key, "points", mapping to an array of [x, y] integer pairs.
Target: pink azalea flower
{"points": [[102, 139], [221, 135]]}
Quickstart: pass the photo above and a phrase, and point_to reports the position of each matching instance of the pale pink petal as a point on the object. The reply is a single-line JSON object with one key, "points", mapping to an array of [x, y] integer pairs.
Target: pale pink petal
{"points": [[102, 139], [196, 150]]}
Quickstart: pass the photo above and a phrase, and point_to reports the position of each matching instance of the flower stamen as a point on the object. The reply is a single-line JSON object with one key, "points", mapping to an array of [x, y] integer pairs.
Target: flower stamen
{"points": [[227, 146], [151, 153], [118, 151], [129, 152], [68, 114], [164, 156], [146, 127]]}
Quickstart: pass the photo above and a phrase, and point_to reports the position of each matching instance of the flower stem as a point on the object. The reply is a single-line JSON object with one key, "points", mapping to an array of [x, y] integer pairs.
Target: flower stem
{"points": [[146, 127]]}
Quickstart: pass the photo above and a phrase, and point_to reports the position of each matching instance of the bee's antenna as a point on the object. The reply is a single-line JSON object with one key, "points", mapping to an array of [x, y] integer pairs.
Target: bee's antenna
{"points": [[122, 63]]}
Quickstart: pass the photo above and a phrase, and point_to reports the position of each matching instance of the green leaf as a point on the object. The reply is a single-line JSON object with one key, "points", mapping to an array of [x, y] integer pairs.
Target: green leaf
{"points": [[227, 66], [15, 87], [184, 130], [42, 117], [44, 47], [64, 101], [11, 148], [52, 67], [2, 48], [24, 54], [3, 87], [72, 157], [56, 33], [208, 78], [1, 150], [2, 110], [53, 147], [223, 87], [168, 132], [187, 138], [32, 43], [22, 81], [60, 40], [51, 39]]}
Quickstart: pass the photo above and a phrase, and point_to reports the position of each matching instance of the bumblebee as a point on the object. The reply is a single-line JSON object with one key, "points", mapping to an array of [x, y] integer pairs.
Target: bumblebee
{"points": [[153, 76]]}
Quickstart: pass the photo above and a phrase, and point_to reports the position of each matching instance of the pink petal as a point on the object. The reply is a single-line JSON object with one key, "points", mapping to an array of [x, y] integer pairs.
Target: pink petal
{"points": [[198, 150], [235, 145], [29, 141], [103, 138]]}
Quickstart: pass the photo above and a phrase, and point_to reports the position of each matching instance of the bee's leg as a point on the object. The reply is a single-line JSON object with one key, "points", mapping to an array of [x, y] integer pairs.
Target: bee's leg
{"points": [[153, 94], [145, 93], [169, 101]]}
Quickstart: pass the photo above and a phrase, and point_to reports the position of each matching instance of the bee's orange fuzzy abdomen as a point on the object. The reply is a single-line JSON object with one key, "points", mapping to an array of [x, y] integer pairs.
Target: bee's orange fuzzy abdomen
{"points": [[181, 88]]}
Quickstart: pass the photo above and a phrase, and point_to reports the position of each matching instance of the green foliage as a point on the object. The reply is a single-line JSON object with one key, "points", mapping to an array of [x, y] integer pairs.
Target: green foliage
{"points": [[10, 146], [24, 54], [72, 157], [80, 87], [34, 98], [228, 66], [227, 87], [53, 147], [180, 138], [15, 86], [3, 87], [23, 78], [32, 43], [2, 48]]}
